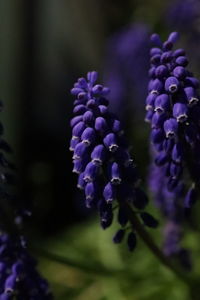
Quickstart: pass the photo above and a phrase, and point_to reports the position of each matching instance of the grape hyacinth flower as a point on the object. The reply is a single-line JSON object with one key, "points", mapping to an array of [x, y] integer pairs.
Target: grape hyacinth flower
{"points": [[173, 108], [106, 172], [19, 278]]}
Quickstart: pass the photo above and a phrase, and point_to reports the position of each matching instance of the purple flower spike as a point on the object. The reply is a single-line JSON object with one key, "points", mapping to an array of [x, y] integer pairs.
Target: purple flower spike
{"points": [[19, 276], [101, 159], [175, 157]]}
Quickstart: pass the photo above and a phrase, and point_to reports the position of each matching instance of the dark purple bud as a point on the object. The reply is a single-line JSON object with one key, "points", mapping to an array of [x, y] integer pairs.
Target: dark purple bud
{"points": [[162, 103], [157, 135], [155, 39], [166, 57], [78, 130], [80, 151], [115, 174], [161, 158], [91, 104], [168, 145], [149, 220], [109, 193], [156, 86], [131, 241], [175, 170], [152, 73], [75, 91], [167, 45], [118, 237], [180, 112], [18, 268], [122, 216], [82, 96], [158, 120], [75, 120], [140, 199], [100, 124], [173, 37], [182, 61], [155, 51], [88, 136], [97, 89], [161, 71], [177, 153], [190, 197], [116, 126], [172, 184], [155, 59], [103, 109], [91, 172], [179, 72], [105, 91], [110, 142], [82, 82], [191, 81], [179, 52], [88, 117], [150, 100], [172, 84], [171, 128], [98, 154], [92, 77], [81, 182], [106, 219], [191, 96]]}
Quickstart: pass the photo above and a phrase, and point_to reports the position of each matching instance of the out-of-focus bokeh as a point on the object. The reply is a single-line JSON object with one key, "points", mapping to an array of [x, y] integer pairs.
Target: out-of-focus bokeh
{"points": [[44, 47]]}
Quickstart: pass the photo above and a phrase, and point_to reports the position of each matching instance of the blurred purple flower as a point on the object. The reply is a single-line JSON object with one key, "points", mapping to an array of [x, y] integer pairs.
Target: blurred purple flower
{"points": [[126, 69], [19, 278]]}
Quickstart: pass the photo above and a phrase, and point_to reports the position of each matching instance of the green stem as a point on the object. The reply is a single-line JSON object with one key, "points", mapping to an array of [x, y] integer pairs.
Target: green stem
{"points": [[145, 236], [96, 269]]}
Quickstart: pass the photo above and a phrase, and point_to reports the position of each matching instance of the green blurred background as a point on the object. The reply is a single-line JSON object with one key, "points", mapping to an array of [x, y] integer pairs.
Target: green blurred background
{"points": [[44, 47]]}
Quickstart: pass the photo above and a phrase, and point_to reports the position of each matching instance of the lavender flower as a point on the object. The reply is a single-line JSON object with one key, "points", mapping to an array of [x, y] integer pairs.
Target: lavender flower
{"points": [[172, 109], [106, 172], [19, 277]]}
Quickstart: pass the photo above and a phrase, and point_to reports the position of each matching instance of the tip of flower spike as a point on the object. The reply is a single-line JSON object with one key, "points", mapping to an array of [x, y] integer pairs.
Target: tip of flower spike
{"points": [[92, 76]]}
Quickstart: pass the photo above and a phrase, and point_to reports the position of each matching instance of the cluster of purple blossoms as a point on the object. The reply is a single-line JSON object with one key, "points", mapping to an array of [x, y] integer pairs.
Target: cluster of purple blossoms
{"points": [[102, 161], [19, 278], [173, 109]]}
